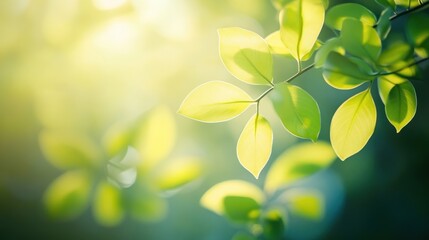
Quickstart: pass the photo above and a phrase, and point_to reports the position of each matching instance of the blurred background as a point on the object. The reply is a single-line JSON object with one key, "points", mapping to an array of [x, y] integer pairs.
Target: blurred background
{"points": [[84, 66]]}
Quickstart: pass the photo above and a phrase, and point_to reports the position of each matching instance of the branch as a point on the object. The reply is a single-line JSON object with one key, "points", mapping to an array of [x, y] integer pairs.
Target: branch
{"points": [[405, 67], [403, 13]]}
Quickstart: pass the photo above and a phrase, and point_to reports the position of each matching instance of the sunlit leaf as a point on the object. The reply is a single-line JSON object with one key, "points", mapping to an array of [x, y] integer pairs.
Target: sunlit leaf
{"points": [[337, 14], [400, 100], [107, 207], [241, 209], [177, 173], [300, 24], [117, 138], [213, 199], [273, 224], [297, 162], [342, 73], [277, 46], [298, 111], [387, 3], [68, 150], [360, 40], [68, 195], [215, 101], [254, 145], [156, 137], [419, 35], [246, 55], [122, 170], [395, 52], [305, 203], [279, 4], [353, 124], [407, 3], [332, 45], [383, 24]]}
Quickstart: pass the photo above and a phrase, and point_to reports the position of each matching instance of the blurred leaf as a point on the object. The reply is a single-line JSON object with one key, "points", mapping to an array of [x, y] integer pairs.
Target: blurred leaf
{"points": [[300, 24], [353, 124], [241, 209], [255, 144], [305, 203], [117, 138], [214, 198], [215, 101], [297, 162], [177, 173], [246, 55], [360, 40], [406, 3], [273, 225], [332, 45], [144, 204], [68, 150], [156, 137], [383, 24], [68, 195], [298, 111], [122, 170], [387, 3], [338, 13], [243, 236], [419, 35], [107, 207], [394, 53], [341, 73], [279, 4]]}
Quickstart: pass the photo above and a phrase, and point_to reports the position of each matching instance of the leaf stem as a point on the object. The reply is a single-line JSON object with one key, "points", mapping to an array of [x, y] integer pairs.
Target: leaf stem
{"points": [[301, 71], [263, 95], [408, 11], [402, 68]]}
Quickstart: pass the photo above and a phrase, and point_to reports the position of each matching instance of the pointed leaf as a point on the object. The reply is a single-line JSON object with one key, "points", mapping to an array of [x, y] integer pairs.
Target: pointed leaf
{"points": [[298, 111], [297, 162], [383, 24], [254, 145], [342, 73], [300, 24], [305, 203], [353, 124], [337, 14], [246, 55], [107, 208], [215, 101], [332, 45]]}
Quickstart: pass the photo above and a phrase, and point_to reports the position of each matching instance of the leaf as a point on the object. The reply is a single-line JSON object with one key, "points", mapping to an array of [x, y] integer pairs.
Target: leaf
{"points": [[332, 45], [215, 101], [300, 24], [297, 110], [406, 3], [246, 55], [305, 203], [243, 236], [360, 40], [122, 170], [213, 199], [419, 35], [177, 173], [145, 204], [107, 208], [156, 137], [68, 195], [387, 3], [68, 150], [353, 124], [342, 73], [273, 224], [277, 46], [254, 145], [117, 138], [279, 4], [241, 209], [395, 52], [399, 97], [383, 24], [297, 162], [337, 14]]}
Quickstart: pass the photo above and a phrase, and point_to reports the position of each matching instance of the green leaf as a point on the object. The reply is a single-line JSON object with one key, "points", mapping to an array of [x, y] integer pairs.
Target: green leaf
{"points": [[394, 53], [339, 13], [117, 138], [215, 101], [406, 3], [299, 161], [305, 203], [399, 97], [342, 73], [332, 45], [213, 199], [387, 3], [67, 150], [353, 124], [107, 208], [177, 173], [68, 195], [156, 136], [243, 236], [300, 24], [277, 46], [254, 145], [360, 40], [122, 170], [241, 209], [383, 24], [145, 204], [246, 55], [273, 224], [297, 110], [419, 35], [279, 4]]}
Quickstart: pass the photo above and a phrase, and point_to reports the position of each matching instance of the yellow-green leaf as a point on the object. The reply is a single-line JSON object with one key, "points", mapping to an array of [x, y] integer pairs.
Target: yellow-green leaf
{"points": [[254, 145], [277, 46], [107, 207], [387, 3], [383, 24], [214, 198], [396, 52], [279, 4], [300, 24], [241, 209], [298, 111], [353, 124], [145, 204], [306, 203], [297, 162], [215, 101], [419, 35], [68, 195], [332, 45], [246, 55], [337, 14]]}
